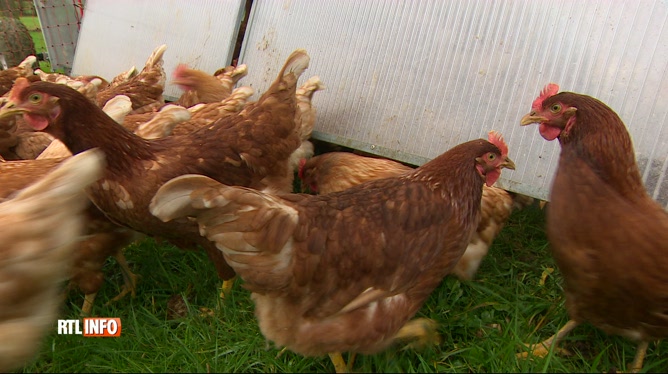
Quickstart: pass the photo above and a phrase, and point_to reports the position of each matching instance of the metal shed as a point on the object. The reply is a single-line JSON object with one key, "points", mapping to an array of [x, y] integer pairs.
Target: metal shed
{"points": [[410, 79]]}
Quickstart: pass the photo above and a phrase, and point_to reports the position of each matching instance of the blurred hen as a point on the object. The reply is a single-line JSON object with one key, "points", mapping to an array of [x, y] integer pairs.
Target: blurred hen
{"points": [[39, 229]]}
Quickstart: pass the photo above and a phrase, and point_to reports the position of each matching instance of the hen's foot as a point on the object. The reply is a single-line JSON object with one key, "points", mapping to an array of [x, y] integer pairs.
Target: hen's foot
{"points": [[422, 330], [339, 364], [637, 363], [543, 349], [226, 288], [129, 278], [87, 306]]}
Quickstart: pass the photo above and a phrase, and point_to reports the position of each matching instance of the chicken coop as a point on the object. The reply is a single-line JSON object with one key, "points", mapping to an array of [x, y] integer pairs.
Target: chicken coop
{"points": [[405, 79]]}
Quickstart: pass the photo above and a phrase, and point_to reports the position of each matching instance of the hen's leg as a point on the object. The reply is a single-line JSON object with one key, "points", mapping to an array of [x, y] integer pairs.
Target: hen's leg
{"points": [[339, 364], [641, 350], [351, 361], [422, 329], [226, 287], [87, 306], [542, 349], [129, 278]]}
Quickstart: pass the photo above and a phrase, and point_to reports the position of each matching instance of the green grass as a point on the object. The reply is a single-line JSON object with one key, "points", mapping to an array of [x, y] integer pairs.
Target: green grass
{"points": [[482, 322], [35, 29]]}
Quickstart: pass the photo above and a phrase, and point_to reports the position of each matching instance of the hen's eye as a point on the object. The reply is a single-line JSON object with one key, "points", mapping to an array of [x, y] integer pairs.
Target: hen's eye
{"points": [[491, 156], [35, 98], [555, 108]]}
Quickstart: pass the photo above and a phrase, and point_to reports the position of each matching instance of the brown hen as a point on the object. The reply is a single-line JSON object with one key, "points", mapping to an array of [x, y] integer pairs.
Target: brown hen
{"points": [[607, 235], [344, 271], [23, 69], [39, 228], [201, 87], [249, 149], [337, 171]]}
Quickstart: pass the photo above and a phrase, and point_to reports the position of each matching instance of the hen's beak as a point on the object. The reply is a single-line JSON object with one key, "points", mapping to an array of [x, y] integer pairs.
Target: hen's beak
{"points": [[508, 164], [9, 109], [532, 117]]}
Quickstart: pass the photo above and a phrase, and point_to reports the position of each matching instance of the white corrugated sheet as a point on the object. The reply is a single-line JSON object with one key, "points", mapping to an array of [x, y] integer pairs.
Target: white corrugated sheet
{"points": [[115, 35], [410, 79]]}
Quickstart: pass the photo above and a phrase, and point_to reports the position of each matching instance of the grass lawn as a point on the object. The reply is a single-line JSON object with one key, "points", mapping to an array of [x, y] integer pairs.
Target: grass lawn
{"points": [[517, 297], [35, 29]]}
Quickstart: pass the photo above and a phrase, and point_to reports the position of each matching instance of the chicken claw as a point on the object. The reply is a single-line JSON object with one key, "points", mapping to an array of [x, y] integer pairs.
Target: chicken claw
{"points": [[129, 278], [424, 329], [542, 349], [226, 288]]}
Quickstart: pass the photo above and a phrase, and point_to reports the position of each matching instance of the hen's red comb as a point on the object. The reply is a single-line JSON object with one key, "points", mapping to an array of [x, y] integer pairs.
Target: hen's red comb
{"points": [[20, 84], [302, 162], [550, 90], [496, 138], [180, 69]]}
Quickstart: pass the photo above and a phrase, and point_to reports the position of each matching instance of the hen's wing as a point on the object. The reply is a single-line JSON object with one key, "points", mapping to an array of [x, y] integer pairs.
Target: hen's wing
{"points": [[39, 228], [163, 123]]}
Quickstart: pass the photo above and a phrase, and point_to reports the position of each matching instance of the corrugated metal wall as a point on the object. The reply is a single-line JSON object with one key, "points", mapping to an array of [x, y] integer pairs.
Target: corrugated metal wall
{"points": [[410, 79], [116, 35]]}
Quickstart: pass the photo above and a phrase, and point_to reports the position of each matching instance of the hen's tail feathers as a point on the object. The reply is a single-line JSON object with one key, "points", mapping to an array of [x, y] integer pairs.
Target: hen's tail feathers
{"points": [[27, 64], [123, 77], [156, 57], [296, 63], [307, 112], [232, 74], [309, 87], [239, 72], [163, 123]]}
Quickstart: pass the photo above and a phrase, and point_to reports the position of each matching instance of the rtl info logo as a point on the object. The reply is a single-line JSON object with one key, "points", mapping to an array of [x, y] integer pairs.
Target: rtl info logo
{"points": [[92, 327]]}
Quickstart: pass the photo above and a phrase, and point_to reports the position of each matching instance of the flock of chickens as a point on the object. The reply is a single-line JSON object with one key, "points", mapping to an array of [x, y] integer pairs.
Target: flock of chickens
{"points": [[344, 270]]}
